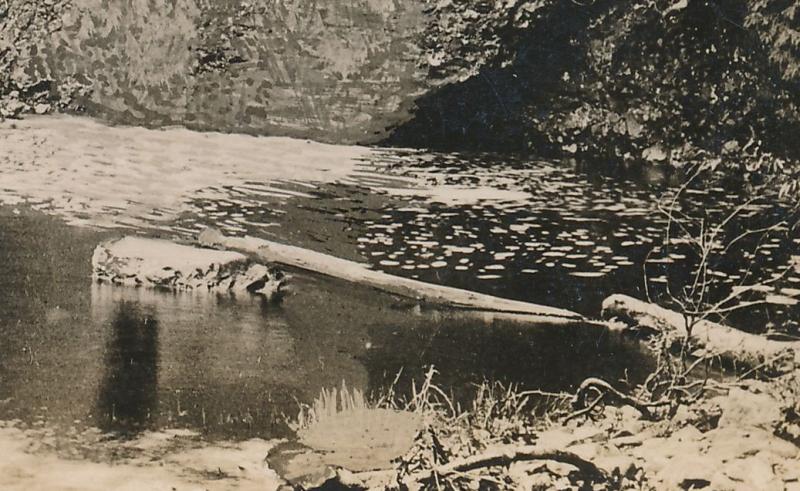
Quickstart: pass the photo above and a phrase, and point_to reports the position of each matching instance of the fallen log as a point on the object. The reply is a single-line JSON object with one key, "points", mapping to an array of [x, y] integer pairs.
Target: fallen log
{"points": [[732, 345], [437, 295], [141, 262]]}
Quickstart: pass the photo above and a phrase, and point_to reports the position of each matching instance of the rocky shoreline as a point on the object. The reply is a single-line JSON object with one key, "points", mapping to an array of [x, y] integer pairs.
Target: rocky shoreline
{"points": [[740, 431], [38, 459], [742, 434], [736, 440]]}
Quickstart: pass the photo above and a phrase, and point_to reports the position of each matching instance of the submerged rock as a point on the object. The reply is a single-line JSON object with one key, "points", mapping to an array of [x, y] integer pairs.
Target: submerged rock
{"points": [[152, 263]]}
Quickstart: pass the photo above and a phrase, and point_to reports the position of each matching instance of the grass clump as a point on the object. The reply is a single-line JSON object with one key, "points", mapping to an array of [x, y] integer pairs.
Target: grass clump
{"points": [[426, 440], [329, 404]]}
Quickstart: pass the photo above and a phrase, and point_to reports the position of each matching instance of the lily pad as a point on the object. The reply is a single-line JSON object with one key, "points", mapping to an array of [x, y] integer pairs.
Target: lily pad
{"points": [[780, 300]]}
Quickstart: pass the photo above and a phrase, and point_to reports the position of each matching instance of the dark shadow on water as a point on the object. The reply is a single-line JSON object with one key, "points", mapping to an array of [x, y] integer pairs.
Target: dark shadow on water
{"points": [[128, 394], [127, 360], [547, 357]]}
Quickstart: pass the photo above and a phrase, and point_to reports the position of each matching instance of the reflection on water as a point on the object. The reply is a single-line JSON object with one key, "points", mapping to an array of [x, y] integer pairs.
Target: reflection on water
{"points": [[222, 364], [128, 395], [557, 233], [73, 353], [549, 233], [125, 359]]}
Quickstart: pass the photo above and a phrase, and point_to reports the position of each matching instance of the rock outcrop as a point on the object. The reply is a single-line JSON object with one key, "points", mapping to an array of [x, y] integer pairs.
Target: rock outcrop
{"points": [[327, 70], [152, 263], [603, 79]]}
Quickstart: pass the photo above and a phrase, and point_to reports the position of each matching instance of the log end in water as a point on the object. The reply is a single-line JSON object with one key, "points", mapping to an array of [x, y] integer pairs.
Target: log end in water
{"points": [[713, 339]]}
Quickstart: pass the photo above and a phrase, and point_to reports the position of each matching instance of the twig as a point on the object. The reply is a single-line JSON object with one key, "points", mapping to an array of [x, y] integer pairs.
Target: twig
{"points": [[586, 410], [605, 388], [506, 455], [498, 456], [765, 363]]}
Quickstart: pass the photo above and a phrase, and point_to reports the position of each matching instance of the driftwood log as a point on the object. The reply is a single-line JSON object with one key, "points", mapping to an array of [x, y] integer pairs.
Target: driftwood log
{"points": [[436, 295], [732, 345]]}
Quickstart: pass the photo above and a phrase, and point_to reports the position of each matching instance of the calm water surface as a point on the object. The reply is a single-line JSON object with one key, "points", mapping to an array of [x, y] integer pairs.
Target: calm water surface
{"points": [[78, 354]]}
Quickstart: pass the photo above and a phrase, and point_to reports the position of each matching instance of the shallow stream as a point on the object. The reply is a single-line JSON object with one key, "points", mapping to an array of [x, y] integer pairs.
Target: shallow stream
{"points": [[74, 354]]}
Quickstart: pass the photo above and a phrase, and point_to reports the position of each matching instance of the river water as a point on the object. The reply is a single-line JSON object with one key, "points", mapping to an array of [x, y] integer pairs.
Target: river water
{"points": [[80, 355], [551, 233], [75, 354]]}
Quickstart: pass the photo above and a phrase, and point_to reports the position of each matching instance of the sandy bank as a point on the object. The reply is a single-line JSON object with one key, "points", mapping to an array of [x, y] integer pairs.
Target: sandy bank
{"points": [[91, 173], [171, 460]]}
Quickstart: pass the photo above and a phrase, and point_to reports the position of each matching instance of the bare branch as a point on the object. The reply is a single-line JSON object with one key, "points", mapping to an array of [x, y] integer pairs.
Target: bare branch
{"points": [[504, 456]]}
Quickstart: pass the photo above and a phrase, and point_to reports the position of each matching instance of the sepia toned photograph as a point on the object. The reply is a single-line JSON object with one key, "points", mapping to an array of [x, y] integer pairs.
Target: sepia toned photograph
{"points": [[406, 245]]}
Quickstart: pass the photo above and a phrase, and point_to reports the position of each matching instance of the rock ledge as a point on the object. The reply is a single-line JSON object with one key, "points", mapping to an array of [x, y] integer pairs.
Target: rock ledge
{"points": [[152, 263]]}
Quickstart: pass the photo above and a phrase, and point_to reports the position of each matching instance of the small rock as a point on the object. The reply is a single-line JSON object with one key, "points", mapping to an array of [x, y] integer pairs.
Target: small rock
{"points": [[730, 146], [559, 468], [210, 237], [563, 484], [540, 480], [654, 153], [634, 128], [12, 108], [624, 464], [683, 416], [753, 473], [688, 472], [523, 472], [741, 408], [299, 465], [42, 108]]}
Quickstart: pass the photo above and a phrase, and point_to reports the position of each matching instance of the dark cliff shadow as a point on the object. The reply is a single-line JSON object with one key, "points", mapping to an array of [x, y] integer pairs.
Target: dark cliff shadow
{"points": [[495, 109], [128, 395]]}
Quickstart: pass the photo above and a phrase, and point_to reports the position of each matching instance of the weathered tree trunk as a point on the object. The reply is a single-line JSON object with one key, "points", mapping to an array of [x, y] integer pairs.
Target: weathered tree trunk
{"points": [[350, 271], [730, 344]]}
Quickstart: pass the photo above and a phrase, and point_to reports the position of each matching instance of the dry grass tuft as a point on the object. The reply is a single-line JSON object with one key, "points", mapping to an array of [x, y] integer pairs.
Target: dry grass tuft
{"points": [[329, 404]]}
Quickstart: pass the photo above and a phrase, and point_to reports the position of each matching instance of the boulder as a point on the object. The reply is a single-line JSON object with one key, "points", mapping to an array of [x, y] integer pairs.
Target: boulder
{"points": [[153, 263], [742, 408]]}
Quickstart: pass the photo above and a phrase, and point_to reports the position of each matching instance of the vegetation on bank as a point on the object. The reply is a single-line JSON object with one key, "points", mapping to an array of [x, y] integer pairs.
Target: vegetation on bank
{"points": [[597, 438], [670, 81]]}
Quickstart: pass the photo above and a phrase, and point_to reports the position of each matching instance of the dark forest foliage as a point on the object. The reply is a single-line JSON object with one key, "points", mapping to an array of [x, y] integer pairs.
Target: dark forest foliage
{"points": [[655, 80]]}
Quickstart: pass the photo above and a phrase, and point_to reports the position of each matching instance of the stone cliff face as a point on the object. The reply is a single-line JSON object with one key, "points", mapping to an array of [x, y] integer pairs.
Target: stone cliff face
{"points": [[658, 80], [325, 69]]}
